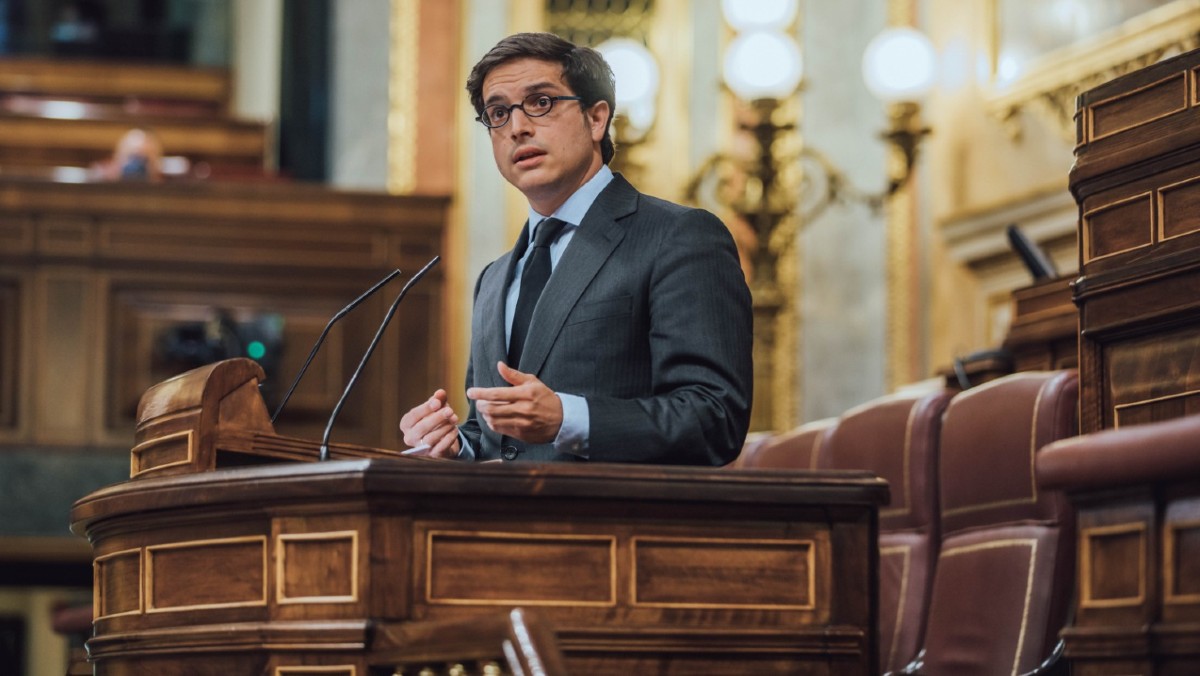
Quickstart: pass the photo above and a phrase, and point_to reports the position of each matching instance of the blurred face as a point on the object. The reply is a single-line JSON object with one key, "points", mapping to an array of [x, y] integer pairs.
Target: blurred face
{"points": [[547, 158]]}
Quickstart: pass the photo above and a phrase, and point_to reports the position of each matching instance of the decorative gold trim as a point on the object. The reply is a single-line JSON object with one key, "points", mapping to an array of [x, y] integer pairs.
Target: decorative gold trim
{"points": [[906, 550], [1033, 496], [403, 62], [1169, 537], [1001, 544], [1085, 569], [1119, 408], [1160, 224], [284, 671], [497, 535], [193, 544], [281, 596], [135, 454], [810, 555], [1087, 230], [97, 583], [1052, 83]]}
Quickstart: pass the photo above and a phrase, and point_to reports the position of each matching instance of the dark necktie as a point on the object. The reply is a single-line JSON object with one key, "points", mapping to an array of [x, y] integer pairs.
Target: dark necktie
{"points": [[533, 280]]}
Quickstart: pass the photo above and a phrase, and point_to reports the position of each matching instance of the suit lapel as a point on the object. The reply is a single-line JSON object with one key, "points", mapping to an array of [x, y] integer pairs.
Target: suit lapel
{"points": [[492, 294], [598, 235]]}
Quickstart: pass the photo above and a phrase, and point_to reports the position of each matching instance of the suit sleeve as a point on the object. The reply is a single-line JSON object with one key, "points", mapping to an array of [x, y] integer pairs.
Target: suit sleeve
{"points": [[701, 338], [470, 427]]}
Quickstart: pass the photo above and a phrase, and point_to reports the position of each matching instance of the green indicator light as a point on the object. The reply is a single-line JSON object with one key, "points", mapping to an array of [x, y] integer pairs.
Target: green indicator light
{"points": [[256, 349]]}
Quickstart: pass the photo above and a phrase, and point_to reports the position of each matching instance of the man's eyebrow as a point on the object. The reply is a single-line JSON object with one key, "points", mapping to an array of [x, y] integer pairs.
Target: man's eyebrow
{"points": [[529, 89]]}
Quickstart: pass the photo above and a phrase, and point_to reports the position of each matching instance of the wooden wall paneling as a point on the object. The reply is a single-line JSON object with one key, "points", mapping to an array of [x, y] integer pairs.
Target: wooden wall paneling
{"points": [[149, 308], [10, 349], [55, 78], [65, 355], [145, 258]]}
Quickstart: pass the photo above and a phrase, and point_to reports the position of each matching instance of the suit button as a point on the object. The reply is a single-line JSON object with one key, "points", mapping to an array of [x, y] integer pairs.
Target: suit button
{"points": [[509, 452]]}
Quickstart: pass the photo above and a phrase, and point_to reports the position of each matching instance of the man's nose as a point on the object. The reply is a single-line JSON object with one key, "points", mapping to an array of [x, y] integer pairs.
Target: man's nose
{"points": [[519, 123]]}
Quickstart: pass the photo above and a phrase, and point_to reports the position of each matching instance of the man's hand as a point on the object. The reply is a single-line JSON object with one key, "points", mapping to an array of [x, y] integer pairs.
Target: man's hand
{"points": [[434, 424], [528, 410]]}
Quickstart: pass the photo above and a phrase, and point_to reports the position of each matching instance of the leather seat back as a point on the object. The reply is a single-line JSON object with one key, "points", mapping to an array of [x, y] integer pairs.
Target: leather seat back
{"points": [[1003, 576], [897, 438], [797, 449]]}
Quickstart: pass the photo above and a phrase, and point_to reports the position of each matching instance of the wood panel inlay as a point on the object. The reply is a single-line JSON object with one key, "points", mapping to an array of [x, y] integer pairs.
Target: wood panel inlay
{"points": [[170, 450], [1113, 566], [1179, 209], [118, 586], [724, 573], [317, 567], [1138, 107], [482, 568], [1157, 409], [10, 350], [1118, 227], [204, 574], [1181, 552], [339, 670]]}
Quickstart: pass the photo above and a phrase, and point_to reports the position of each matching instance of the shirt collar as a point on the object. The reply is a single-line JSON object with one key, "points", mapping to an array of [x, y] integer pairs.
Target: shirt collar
{"points": [[576, 207]]}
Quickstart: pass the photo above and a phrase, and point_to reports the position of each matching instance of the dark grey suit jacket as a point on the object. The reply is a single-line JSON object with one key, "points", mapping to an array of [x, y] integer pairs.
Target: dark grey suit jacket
{"points": [[647, 315]]}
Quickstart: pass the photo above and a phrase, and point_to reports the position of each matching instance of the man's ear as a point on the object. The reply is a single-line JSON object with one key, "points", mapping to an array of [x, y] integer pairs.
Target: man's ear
{"points": [[597, 118]]}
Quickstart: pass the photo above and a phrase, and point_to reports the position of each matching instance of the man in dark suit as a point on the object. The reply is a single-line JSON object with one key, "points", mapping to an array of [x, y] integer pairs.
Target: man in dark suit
{"points": [[620, 330]]}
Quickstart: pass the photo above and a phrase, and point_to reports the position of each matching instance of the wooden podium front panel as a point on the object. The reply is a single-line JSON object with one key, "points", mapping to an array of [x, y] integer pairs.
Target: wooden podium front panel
{"points": [[671, 570]]}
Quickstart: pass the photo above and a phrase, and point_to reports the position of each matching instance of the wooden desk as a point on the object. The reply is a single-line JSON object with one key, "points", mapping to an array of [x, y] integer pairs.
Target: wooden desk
{"points": [[285, 568]]}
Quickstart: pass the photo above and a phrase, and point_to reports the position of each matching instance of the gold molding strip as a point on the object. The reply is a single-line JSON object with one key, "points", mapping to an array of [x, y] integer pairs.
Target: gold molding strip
{"points": [[281, 596], [403, 62], [148, 580], [1120, 408], [611, 540], [336, 669], [1090, 126], [1169, 568], [97, 584], [810, 556], [1089, 214], [135, 469], [1085, 569], [1160, 225]]}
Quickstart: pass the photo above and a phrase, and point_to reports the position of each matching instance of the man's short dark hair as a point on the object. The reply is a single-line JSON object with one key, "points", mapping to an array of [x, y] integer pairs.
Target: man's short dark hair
{"points": [[584, 71]]}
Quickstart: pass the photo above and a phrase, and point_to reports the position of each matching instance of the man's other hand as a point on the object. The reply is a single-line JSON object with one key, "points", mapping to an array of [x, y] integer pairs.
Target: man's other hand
{"points": [[528, 410]]}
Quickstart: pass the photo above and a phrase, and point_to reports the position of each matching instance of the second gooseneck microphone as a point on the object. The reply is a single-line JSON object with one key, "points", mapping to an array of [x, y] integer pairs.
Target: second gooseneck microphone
{"points": [[324, 455]]}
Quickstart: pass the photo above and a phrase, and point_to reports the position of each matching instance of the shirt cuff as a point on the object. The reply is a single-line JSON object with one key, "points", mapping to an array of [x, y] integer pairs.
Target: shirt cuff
{"points": [[573, 435], [465, 451]]}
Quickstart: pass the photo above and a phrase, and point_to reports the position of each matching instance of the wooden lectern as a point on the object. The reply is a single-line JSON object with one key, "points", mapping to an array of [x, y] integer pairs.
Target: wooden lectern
{"points": [[223, 555]]}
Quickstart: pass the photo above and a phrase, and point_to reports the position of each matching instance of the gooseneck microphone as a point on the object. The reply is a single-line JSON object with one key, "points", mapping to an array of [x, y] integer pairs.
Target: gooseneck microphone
{"points": [[324, 455], [321, 338]]}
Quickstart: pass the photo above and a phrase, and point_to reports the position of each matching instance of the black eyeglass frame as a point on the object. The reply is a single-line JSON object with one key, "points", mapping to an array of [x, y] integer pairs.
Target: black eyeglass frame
{"points": [[484, 118]]}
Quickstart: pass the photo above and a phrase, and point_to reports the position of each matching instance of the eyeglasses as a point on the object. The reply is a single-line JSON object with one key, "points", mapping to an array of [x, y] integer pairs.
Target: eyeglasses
{"points": [[535, 105]]}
